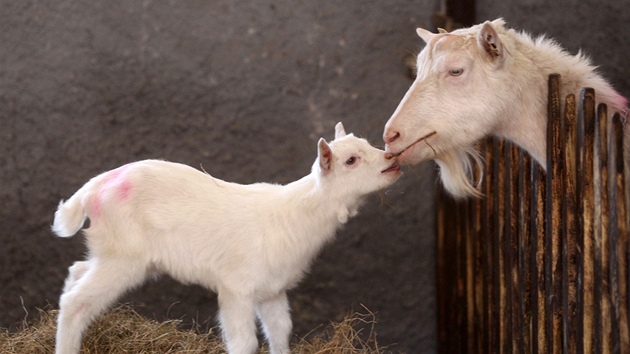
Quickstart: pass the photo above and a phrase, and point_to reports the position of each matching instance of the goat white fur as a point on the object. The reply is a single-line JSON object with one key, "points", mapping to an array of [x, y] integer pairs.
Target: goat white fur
{"points": [[247, 243], [480, 81]]}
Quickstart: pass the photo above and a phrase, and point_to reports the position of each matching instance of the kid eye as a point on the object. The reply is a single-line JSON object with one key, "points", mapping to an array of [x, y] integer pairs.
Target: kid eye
{"points": [[351, 160], [456, 72]]}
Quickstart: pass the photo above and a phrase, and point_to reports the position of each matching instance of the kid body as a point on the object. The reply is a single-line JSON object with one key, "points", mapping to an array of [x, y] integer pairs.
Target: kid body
{"points": [[247, 243]]}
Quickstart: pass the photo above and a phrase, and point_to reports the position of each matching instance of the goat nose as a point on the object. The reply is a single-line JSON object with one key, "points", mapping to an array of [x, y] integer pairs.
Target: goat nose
{"points": [[391, 136]]}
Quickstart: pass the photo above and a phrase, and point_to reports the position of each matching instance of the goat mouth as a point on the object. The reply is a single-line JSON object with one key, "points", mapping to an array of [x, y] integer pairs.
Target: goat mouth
{"points": [[395, 167], [423, 138]]}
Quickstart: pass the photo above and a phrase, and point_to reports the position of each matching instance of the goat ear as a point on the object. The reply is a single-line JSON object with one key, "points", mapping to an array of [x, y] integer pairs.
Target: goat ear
{"points": [[426, 36], [489, 41], [324, 155], [498, 23], [340, 132]]}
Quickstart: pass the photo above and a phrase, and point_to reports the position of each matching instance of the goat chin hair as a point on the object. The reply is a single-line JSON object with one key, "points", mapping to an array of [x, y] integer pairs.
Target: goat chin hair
{"points": [[457, 172]]}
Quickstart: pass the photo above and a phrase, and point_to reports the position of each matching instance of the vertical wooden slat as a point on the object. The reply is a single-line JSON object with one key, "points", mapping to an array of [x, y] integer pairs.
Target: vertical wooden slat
{"points": [[453, 336], [536, 271], [442, 284], [456, 334], [460, 285], [607, 322], [598, 185], [559, 227], [613, 233], [623, 233], [580, 226], [516, 275], [525, 249], [488, 207], [588, 116], [479, 271], [441, 231], [496, 258], [619, 240], [571, 252], [553, 228], [542, 335], [467, 273], [507, 305]]}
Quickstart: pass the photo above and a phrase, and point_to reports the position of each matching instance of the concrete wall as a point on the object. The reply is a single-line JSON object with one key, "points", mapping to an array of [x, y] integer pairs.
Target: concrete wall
{"points": [[245, 88]]}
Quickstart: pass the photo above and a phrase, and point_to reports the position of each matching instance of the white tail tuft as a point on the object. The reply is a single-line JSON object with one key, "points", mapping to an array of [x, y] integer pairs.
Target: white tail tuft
{"points": [[69, 217]]}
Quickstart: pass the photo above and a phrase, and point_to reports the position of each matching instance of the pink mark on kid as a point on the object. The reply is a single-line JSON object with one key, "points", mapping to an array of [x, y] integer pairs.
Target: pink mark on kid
{"points": [[96, 207], [124, 189], [115, 183]]}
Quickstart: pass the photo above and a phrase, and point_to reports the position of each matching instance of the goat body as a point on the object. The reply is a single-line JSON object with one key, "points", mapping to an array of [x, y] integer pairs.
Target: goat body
{"points": [[248, 243], [480, 81]]}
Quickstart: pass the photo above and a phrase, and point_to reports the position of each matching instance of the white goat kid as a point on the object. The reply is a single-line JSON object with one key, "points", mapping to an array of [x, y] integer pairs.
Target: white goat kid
{"points": [[248, 243], [480, 81]]}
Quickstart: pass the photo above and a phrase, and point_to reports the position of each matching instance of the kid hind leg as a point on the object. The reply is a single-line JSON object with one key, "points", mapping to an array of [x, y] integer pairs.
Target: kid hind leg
{"points": [[100, 285], [275, 317], [75, 272]]}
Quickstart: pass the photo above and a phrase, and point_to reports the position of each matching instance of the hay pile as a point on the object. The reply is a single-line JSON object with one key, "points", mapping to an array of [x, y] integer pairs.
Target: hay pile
{"points": [[124, 331]]}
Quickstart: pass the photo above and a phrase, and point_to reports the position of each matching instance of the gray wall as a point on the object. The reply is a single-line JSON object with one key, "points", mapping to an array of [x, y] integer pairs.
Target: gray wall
{"points": [[245, 88]]}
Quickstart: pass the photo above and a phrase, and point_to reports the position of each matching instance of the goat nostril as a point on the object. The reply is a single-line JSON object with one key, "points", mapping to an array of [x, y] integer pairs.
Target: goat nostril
{"points": [[393, 137]]}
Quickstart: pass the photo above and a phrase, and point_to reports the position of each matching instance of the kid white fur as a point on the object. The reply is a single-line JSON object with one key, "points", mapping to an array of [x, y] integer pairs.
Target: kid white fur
{"points": [[247, 243], [480, 81]]}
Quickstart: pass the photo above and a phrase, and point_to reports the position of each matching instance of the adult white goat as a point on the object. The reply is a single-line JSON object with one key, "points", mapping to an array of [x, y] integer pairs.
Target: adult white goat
{"points": [[248, 243], [480, 81]]}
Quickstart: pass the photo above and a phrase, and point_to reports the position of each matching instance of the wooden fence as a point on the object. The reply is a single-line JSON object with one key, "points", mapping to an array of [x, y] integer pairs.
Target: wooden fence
{"points": [[540, 264]]}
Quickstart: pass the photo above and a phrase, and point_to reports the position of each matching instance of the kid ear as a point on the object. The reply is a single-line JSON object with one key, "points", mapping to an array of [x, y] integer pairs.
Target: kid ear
{"points": [[489, 41], [339, 131], [425, 35], [324, 155]]}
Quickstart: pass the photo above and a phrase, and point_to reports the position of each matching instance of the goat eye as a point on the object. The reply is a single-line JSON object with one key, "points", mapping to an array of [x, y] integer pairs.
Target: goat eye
{"points": [[456, 72], [351, 160]]}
